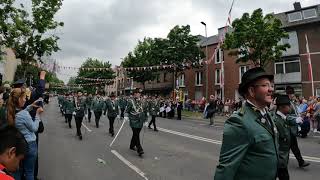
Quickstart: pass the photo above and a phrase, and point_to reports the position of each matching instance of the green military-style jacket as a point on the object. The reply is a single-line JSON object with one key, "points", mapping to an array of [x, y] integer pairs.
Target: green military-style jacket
{"points": [[154, 107], [122, 103], [60, 98], [137, 112], [80, 104], [63, 98], [98, 105], [249, 148], [89, 101], [68, 106], [283, 126], [112, 108]]}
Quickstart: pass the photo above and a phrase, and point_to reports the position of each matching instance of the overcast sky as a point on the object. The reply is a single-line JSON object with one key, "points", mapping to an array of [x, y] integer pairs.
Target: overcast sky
{"points": [[109, 29]]}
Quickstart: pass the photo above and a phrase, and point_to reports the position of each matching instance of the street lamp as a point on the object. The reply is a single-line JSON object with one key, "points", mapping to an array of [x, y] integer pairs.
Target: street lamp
{"points": [[207, 67]]}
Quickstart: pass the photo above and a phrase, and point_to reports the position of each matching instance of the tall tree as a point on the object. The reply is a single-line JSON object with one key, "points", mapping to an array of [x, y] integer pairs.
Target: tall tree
{"points": [[178, 48], [182, 47], [108, 73], [72, 80], [30, 35], [31, 74], [256, 38], [142, 56]]}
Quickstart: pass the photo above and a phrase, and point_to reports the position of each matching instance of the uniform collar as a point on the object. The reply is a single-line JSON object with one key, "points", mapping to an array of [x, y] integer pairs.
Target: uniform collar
{"points": [[284, 117], [262, 111]]}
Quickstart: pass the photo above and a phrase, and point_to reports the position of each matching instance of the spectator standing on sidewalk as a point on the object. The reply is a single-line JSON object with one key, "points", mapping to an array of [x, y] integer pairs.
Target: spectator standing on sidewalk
{"points": [[22, 120], [211, 109], [316, 114]]}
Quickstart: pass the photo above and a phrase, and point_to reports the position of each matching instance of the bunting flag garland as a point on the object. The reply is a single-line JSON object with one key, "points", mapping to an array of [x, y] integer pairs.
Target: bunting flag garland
{"points": [[76, 85], [95, 79]]}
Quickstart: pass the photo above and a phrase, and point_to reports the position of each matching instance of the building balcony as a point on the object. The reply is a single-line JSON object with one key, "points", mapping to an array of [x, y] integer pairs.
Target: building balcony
{"points": [[287, 78]]}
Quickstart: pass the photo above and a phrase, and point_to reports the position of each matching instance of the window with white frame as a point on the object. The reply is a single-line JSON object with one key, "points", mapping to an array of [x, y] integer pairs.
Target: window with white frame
{"points": [[218, 55], [199, 78], [309, 13], [242, 70], [218, 76], [284, 67], [181, 80], [295, 16]]}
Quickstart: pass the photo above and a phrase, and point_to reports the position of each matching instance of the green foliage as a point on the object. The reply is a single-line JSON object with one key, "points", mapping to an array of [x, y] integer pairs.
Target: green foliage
{"points": [[72, 80], [52, 78], [28, 33], [143, 55], [30, 72], [256, 38], [94, 63], [27, 71], [182, 47], [179, 47]]}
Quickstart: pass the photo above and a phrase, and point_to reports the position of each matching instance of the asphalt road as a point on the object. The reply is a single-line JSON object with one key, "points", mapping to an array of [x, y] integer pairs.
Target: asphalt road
{"points": [[181, 150]]}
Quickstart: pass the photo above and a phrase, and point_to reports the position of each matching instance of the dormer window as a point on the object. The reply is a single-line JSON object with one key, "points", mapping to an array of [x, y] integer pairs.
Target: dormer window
{"points": [[304, 14], [309, 13], [295, 16]]}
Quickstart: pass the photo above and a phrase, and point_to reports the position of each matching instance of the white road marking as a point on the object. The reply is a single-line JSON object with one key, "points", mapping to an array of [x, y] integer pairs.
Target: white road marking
{"points": [[130, 165], [190, 136], [307, 158], [89, 130]]}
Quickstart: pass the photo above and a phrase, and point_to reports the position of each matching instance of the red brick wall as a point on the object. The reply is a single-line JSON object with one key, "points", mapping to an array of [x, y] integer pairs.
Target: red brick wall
{"points": [[313, 33]]}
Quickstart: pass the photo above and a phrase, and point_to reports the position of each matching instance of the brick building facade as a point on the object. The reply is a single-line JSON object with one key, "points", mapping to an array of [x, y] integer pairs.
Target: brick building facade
{"points": [[290, 70]]}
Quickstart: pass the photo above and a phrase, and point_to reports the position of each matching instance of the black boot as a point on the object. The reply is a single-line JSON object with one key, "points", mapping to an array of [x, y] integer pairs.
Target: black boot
{"points": [[140, 152], [303, 164]]}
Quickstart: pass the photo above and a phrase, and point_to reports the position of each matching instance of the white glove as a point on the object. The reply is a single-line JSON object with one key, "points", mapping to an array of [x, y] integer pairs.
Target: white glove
{"points": [[126, 118], [299, 120], [148, 114], [86, 116], [118, 117], [74, 113], [158, 113]]}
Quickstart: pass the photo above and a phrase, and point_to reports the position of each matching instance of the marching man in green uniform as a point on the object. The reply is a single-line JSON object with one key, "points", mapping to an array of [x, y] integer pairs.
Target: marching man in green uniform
{"points": [[137, 115], [249, 146], [154, 108], [60, 102], [80, 105], [112, 108], [122, 104], [68, 109], [98, 105], [284, 122], [89, 101], [294, 112]]}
